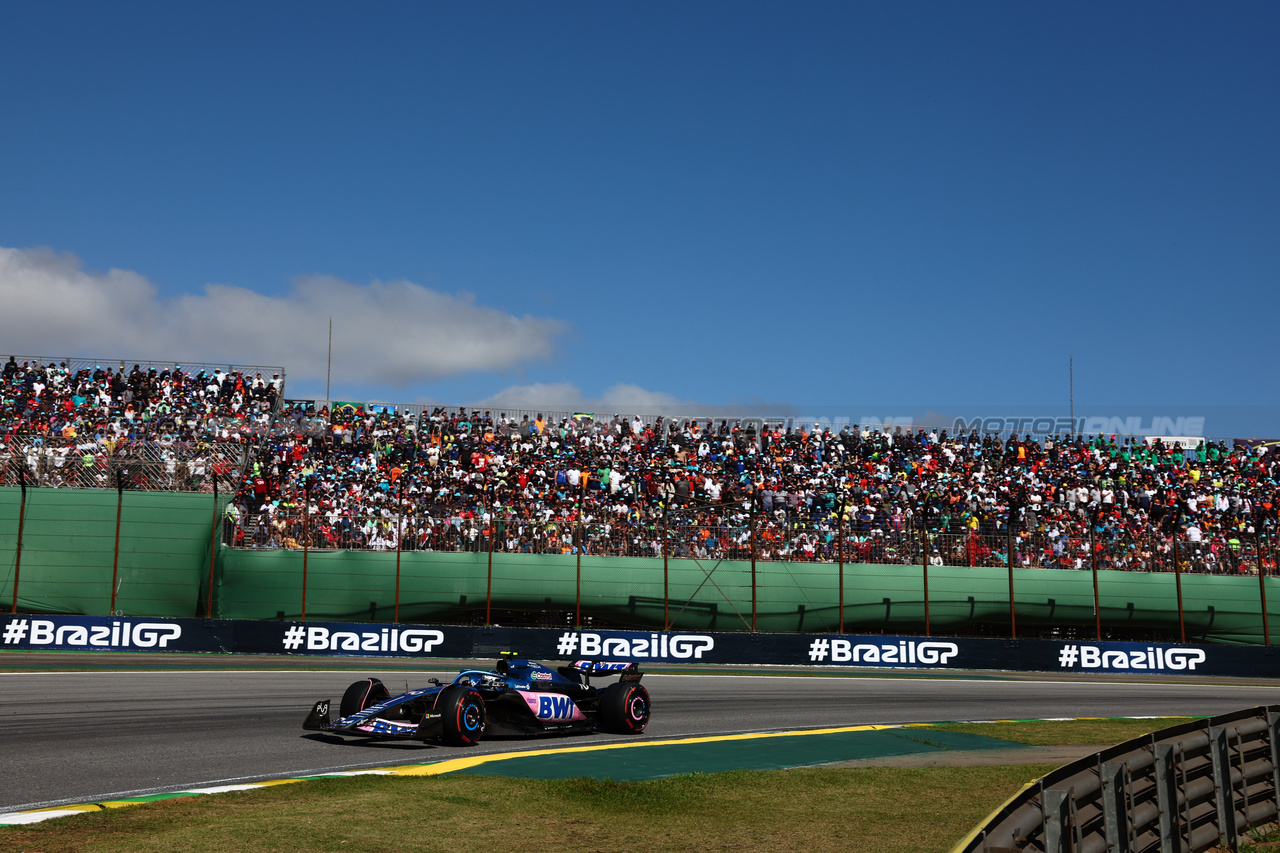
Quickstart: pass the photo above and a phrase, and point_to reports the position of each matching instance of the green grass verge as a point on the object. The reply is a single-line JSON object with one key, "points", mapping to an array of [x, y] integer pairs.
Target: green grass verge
{"points": [[1103, 732], [819, 809], [1264, 839]]}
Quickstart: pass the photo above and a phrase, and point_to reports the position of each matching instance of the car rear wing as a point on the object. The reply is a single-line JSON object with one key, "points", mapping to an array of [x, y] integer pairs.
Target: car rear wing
{"points": [[626, 670]]}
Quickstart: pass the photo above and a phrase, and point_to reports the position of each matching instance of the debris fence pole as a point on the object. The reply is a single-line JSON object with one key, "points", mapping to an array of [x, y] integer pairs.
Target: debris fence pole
{"points": [[399, 547], [1093, 555], [213, 546], [753, 565], [1262, 588], [840, 557], [924, 566], [1177, 577], [115, 557], [306, 543], [577, 591], [488, 590], [1013, 618], [666, 578], [22, 516]]}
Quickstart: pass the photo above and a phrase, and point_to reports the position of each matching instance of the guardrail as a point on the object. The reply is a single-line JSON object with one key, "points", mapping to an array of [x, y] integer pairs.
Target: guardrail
{"points": [[1187, 788]]}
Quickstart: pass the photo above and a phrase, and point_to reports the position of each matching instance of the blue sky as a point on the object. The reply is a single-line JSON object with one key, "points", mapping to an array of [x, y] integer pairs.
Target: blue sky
{"points": [[820, 205]]}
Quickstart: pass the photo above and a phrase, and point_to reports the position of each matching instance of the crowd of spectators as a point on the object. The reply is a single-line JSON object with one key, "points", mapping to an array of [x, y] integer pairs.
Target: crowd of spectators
{"points": [[454, 479], [471, 480], [153, 428]]}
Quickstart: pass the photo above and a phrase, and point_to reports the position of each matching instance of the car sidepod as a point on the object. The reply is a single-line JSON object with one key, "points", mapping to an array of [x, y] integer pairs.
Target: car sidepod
{"points": [[533, 709]]}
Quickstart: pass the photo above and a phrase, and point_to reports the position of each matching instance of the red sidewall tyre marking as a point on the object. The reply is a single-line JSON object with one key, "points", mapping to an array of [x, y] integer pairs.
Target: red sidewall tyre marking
{"points": [[469, 727], [636, 706]]}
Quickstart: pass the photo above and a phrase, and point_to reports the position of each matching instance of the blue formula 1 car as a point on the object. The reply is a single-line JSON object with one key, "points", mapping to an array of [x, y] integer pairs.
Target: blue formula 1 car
{"points": [[518, 697]]}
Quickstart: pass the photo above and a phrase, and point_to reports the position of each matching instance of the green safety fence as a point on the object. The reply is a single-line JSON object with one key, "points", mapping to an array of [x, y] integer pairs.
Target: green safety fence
{"points": [[162, 568], [69, 551], [445, 586]]}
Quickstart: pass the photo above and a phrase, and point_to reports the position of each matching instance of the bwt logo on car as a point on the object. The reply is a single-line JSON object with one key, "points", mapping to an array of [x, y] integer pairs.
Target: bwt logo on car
{"points": [[903, 652], [1153, 657], [555, 707], [680, 646], [44, 632], [318, 639]]}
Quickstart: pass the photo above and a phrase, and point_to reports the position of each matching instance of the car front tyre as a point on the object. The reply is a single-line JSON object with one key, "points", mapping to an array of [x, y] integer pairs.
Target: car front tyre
{"points": [[463, 715], [362, 694]]}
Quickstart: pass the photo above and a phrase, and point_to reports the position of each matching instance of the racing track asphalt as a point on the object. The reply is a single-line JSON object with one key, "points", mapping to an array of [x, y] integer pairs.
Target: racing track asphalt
{"points": [[85, 736]]}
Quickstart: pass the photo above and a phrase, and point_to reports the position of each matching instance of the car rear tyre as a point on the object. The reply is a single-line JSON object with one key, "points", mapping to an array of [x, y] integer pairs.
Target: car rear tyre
{"points": [[463, 715], [362, 694], [624, 708]]}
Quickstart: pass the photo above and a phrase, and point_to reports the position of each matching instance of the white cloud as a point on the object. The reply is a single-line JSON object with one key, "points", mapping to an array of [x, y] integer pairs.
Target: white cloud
{"points": [[396, 333], [567, 397], [633, 398]]}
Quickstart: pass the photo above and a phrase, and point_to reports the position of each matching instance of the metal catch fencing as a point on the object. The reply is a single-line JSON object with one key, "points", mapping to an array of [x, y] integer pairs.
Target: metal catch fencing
{"points": [[731, 533], [454, 420], [77, 363], [139, 465], [1184, 789]]}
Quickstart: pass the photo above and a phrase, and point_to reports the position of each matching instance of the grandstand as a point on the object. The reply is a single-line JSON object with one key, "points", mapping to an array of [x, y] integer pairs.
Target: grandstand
{"points": [[387, 478], [354, 476], [75, 423]]}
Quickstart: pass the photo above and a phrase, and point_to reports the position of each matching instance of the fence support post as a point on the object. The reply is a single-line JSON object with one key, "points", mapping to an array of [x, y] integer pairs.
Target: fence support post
{"points": [[399, 547], [488, 589], [924, 567], [1177, 578], [840, 557], [1167, 797], [213, 547], [1013, 618], [306, 543], [22, 516], [115, 557], [1055, 809], [753, 564], [577, 584], [1093, 560], [1115, 817], [666, 588], [1222, 786], [1262, 587]]}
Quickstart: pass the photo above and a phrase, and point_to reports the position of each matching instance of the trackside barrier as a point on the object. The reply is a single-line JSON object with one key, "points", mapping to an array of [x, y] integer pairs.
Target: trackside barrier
{"points": [[59, 548], [1188, 788], [33, 632]]}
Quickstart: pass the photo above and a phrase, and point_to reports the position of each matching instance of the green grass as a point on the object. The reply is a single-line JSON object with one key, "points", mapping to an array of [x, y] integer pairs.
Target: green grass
{"points": [[1103, 732], [1265, 839], [819, 809]]}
